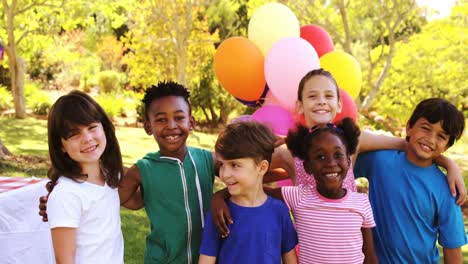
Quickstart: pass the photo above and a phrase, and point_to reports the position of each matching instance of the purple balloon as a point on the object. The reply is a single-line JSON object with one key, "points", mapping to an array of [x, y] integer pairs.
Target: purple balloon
{"points": [[278, 118], [242, 118]]}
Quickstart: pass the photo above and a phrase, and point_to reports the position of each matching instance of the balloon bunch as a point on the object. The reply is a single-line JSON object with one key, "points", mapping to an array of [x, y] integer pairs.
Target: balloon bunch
{"points": [[266, 68]]}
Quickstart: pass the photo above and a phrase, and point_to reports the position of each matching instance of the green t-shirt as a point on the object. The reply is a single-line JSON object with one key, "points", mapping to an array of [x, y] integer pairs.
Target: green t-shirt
{"points": [[172, 203]]}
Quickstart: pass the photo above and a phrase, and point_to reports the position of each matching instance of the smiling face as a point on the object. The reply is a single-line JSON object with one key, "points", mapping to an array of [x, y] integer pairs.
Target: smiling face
{"points": [[242, 176], [169, 121], [329, 163], [85, 144], [319, 103], [426, 142]]}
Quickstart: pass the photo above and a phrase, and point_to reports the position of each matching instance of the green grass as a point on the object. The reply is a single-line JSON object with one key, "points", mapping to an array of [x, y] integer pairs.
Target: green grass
{"points": [[28, 137]]}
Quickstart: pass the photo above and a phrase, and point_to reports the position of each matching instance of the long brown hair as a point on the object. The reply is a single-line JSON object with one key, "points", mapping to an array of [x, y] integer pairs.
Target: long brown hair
{"points": [[73, 109]]}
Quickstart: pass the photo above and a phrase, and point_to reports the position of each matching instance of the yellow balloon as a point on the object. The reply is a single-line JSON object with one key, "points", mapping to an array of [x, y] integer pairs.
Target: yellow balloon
{"points": [[345, 69], [270, 23]]}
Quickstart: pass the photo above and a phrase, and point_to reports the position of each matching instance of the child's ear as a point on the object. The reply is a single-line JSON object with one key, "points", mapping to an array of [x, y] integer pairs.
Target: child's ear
{"points": [[299, 107], [147, 127], [263, 166], [339, 106], [192, 123]]}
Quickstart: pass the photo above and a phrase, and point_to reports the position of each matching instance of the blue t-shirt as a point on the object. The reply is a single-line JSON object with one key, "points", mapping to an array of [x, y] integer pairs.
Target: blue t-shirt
{"points": [[412, 207], [259, 234]]}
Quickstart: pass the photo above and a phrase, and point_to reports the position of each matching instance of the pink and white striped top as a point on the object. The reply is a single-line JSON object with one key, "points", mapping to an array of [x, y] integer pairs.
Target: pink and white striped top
{"points": [[302, 177], [329, 230]]}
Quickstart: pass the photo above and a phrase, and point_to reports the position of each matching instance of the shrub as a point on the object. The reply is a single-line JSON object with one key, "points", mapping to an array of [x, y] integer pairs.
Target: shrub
{"points": [[6, 99], [114, 105], [36, 99], [109, 81], [40, 103]]}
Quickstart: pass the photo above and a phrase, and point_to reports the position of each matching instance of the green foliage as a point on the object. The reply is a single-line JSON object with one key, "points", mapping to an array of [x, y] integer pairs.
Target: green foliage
{"points": [[119, 105], [113, 105], [430, 64], [6, 100], [109, 81], [110, 52], [36, 99]]}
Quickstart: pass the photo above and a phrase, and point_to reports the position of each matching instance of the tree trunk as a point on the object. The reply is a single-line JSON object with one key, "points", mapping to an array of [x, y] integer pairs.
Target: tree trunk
{"points": [[3, 150], [17, 87], [15, 63]]}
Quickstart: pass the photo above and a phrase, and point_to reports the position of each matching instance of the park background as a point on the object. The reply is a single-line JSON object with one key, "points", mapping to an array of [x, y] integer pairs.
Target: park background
{"points": [[113, 50]]}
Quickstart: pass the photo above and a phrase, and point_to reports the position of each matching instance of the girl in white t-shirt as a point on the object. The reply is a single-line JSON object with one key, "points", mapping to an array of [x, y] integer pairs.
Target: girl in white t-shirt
{"points": [[84, 209], [334, 224]]}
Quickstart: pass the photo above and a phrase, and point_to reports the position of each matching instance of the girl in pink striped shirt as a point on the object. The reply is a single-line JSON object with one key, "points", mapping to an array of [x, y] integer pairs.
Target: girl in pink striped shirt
{"points": [[334, 225]]}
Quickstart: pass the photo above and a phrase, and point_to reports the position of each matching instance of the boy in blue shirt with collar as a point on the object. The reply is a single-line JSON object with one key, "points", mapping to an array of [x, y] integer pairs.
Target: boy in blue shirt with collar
{"points": [[263, 231], [410, 199]]}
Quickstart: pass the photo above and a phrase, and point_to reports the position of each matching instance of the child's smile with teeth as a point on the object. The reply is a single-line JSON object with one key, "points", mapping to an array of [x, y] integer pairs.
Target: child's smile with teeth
{"points": [[89, 149]]}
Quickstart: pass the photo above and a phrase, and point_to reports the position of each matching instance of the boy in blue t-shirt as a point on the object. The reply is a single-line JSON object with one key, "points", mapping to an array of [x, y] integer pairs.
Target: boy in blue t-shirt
{"points": [[263, 232], [411, 202]]}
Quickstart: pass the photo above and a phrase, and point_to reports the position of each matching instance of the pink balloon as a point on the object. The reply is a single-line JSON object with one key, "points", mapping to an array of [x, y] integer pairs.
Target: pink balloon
{"points": [[287, 61], [348, 107], [318, 38], [278, 118], [284, 183]]}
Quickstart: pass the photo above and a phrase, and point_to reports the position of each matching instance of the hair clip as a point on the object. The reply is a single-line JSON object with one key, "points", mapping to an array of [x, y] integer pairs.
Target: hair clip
{"points": [[328, 125]]}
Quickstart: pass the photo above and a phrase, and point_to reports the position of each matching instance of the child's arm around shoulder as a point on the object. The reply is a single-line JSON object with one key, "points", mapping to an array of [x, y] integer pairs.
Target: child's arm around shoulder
{"points": [[369, 141], [454, 178], [282, 158], [129, 189]]}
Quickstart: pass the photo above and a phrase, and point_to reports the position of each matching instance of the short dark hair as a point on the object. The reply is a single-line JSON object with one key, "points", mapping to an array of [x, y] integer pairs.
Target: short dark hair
{"points": [[300, 140], [70, 110], [163, 89], [316, 72], [440, 110], [246, 140]]}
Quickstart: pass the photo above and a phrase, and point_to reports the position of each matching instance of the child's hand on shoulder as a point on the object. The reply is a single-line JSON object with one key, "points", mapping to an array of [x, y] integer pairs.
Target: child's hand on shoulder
{"points": [[220, 212]]}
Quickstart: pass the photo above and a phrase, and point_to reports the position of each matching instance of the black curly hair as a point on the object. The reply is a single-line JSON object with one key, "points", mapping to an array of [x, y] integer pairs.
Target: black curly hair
{"points": [[299, 140], [163, 89]]}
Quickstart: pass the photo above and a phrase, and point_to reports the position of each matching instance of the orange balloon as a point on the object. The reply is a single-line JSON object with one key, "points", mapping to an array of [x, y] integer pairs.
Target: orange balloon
{"points": [[238, 65]]}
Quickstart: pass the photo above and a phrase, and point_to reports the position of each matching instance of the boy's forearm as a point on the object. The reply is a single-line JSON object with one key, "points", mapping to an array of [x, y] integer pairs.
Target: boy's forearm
{"points": [[370, 141], [275, 175], [135, 202], [453, 256], [446, 163]]}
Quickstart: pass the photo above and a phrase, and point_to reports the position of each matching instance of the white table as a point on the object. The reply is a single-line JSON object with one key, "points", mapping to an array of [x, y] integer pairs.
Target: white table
{"points": [[24, 238]]}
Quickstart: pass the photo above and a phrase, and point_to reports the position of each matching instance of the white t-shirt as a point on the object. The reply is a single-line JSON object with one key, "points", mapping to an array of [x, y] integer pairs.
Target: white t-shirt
{"points": [[95, 213]]}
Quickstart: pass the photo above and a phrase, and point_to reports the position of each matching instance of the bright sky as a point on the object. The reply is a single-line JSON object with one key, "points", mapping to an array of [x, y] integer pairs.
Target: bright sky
{"points": [[441, 8]]}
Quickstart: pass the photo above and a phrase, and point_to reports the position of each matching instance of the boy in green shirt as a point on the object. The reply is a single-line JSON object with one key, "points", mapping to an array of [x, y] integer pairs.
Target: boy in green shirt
{"points": [[176, 182]]}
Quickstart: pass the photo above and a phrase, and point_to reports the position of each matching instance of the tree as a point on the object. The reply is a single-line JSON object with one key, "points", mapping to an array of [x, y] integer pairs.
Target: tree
{"points": [[429, 64], [368, 30], [172, 41], [23, 18]]}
